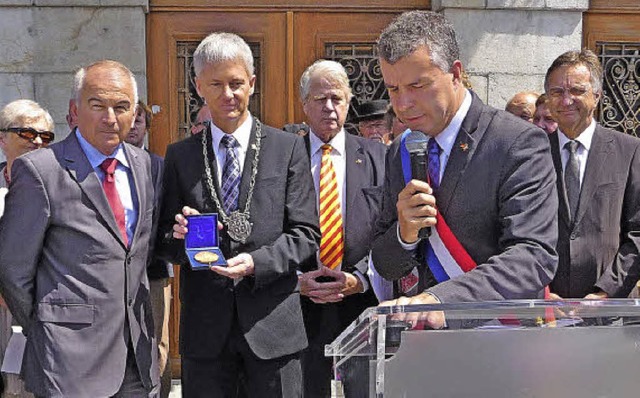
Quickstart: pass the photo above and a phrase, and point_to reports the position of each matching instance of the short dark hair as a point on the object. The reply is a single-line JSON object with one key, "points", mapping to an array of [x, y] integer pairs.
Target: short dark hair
{"points": [[414, 29], [148, 114], [585, 57]]}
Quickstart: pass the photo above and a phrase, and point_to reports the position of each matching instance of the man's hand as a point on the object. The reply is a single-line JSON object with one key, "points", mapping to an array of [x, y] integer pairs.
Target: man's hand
{"points": [[433, 319], [180, 227], [553, 296], [237, 267], [597, 296], [416, 210], [323, 292]]}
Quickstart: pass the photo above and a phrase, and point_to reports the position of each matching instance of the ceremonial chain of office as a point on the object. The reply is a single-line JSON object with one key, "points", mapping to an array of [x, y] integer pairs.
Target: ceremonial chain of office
{"points": [[238, 224]]}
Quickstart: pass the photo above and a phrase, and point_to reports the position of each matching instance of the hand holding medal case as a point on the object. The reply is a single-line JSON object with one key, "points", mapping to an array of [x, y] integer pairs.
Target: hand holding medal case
{"points": [[201, 242]]}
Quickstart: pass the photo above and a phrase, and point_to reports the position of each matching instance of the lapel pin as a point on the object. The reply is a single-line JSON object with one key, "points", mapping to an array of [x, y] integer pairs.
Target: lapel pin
{"points": [[464, 146], [358, 161]]}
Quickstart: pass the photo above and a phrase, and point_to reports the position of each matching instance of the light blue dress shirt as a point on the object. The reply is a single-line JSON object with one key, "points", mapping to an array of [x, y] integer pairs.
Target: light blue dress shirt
{"points": [[123, 176]]}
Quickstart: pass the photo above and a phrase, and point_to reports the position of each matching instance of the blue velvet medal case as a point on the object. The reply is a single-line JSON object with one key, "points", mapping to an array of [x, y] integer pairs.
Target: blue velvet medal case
{"points": [[202, 237]]}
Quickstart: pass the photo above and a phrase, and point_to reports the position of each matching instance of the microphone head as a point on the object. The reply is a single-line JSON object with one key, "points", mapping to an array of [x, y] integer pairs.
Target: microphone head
{"points": [[416, 141]]}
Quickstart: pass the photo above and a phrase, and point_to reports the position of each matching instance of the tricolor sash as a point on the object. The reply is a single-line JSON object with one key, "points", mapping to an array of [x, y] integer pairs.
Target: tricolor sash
{"points": [[444, 254]]}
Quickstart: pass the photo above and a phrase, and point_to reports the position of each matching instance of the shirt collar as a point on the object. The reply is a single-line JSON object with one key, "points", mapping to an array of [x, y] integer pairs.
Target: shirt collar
{"points": [[583, 138], [242, 134], [447, 137], [337, 142], [96, 157]]}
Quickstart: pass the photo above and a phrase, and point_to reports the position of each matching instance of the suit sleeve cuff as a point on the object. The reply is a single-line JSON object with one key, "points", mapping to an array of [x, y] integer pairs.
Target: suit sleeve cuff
{"points": [[406, 246], [363, 279]]}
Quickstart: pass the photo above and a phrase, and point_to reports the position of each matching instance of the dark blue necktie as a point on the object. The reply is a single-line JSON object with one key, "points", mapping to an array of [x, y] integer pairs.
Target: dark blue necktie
{"points": [[433, 150], [230, 174]]}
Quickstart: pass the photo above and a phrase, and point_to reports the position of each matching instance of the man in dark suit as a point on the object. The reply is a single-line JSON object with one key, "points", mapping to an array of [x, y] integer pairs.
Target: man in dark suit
{"points": [[358, 167], [245, 318], [159, 271], [598, 180], [73, 250], [497, 182]]}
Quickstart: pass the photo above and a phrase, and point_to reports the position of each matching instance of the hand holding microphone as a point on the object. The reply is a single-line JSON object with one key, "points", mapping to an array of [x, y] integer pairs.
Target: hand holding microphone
{"points": [[416, 203]]}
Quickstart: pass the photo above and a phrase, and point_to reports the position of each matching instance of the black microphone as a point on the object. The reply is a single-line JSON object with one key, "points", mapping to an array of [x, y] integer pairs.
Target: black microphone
{"points": [[416, 144]]}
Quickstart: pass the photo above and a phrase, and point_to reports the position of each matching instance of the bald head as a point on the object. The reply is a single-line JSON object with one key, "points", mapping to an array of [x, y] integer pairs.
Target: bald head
{"points": [[523, 105]]}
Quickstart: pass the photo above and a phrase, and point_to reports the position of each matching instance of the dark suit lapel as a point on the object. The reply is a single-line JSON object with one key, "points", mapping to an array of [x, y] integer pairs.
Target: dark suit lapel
{"points": [[80, 170], [471, 131], [247, 169], [213, 164], [356, 175], [600, 150], [563, 209], [135, 163]]}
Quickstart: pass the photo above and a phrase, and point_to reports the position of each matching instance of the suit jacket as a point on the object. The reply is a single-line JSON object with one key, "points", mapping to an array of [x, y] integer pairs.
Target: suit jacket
{"points": [[158, 268], [80, 294], [364, 165], [600, 249], [285, 234], [498, 197]]}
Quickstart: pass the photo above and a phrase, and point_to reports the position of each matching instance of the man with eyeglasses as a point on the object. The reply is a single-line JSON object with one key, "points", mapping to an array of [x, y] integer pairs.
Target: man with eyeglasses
{"points": [[24, 126], [598, 171], [74, 240]]}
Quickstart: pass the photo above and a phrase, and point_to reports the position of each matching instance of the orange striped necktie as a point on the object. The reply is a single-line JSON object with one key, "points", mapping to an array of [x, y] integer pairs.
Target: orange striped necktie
{"points": [[332, 243]]}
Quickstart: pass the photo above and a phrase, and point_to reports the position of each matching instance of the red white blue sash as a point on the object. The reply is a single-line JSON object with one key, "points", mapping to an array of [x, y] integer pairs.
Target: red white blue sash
{"points": [[444, 254]]}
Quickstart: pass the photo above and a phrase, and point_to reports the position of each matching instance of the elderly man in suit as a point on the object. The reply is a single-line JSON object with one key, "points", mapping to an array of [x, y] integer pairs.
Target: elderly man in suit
{"points": [[74, 240], [598, 181], [243, 319], [491, 180], [348, 173]]}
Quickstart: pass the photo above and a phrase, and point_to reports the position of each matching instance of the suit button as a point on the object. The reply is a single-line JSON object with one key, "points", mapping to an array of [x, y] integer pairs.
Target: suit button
{"points": [[573, 236], [128, 260], [130, 301]]}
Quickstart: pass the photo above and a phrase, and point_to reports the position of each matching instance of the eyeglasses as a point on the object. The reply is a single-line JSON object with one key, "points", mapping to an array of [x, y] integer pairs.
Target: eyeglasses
{"points": [[575, 91], [30, 134]]}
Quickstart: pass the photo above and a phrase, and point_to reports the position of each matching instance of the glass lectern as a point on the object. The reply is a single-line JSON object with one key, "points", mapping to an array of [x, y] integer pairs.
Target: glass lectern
{"points": [[510, 349]]}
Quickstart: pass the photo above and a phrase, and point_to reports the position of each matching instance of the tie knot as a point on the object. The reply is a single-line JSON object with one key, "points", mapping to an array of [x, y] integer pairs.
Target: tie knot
{"points": [[326, 149], [229, 142], [109, 165], [572, 146], [432, 147]]}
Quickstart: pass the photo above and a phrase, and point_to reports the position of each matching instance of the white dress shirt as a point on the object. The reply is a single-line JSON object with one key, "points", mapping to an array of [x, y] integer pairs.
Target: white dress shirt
{"points": [[582, 153], [242, 135]]}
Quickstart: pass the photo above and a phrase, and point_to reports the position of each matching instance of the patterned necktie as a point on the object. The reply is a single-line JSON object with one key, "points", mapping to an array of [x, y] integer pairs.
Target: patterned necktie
{"points": [[109, 186], [572, 178], [433, 150], [331, 244], [230, 174]]}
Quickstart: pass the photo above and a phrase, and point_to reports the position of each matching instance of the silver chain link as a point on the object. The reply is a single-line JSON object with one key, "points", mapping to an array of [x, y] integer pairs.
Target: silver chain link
{"points": [[254, 172]]}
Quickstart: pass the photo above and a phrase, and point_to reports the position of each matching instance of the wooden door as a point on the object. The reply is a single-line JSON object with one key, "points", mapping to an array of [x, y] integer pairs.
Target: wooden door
{"points": [[612, 31], [284, 42]]}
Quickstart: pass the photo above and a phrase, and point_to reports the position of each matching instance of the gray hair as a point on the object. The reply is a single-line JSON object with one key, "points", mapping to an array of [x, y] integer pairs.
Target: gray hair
{"points": [[330, 70], [414, 29], [219, 47], [78, 79], [585, 57], [23, 112]]}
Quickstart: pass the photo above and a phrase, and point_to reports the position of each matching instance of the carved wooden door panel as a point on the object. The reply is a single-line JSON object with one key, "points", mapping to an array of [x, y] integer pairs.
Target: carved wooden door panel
{"points": [[612, 31]]}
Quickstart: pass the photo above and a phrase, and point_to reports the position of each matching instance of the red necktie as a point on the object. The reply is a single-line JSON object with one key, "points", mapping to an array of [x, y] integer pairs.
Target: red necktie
{"points": [[109, 186]]}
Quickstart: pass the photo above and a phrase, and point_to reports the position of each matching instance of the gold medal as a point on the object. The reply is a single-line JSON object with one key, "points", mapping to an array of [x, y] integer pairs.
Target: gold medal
{"points": [[206, 257]]}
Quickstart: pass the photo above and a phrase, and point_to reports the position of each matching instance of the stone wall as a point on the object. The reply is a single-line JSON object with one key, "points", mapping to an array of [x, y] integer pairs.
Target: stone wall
{"points": [[507, 45], [44, 41]]}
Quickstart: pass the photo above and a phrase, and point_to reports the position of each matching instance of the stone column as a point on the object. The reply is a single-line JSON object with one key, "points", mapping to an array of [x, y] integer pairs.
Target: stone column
{"points": [[44, 41], [507, 45]]}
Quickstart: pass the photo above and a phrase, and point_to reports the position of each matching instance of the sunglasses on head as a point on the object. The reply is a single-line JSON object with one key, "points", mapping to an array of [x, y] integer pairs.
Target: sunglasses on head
{"points": [[30, 134]]}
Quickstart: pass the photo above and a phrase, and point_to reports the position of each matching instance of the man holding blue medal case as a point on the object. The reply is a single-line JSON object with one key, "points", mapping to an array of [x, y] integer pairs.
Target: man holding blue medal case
{"points": [[201, 242]]}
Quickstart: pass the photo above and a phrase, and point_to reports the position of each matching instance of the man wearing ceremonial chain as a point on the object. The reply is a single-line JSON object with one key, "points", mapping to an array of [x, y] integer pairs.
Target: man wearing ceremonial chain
{"points": [[241, 321]]}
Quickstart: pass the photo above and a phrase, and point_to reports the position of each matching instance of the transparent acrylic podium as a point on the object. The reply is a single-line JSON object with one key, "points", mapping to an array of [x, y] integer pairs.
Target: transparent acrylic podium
{"points": [[511, 349]]}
